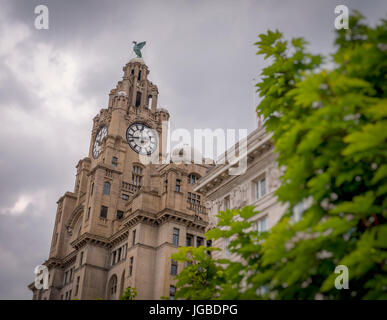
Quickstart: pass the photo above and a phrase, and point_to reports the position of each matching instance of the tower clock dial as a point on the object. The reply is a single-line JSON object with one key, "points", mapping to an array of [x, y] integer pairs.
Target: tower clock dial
{"points": [[102, 133], [141, 138]]}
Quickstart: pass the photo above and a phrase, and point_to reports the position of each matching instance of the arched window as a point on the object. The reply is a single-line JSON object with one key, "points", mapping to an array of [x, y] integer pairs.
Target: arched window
{"points": [[137, 175], [112, 287], [106, 188], [193, 178]]}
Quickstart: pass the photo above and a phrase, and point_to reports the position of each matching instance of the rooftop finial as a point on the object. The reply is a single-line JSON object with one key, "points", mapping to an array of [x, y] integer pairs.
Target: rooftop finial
{"points": [[137, 48]]}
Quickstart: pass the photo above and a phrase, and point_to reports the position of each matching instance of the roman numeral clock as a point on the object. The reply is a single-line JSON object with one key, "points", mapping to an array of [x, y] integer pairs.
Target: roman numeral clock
{"points": [[141, 138], [102, 133]]}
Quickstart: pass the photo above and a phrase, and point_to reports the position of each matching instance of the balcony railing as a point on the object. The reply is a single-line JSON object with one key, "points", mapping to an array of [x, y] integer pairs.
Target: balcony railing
{"points": [[197, 208], [132, 188]]}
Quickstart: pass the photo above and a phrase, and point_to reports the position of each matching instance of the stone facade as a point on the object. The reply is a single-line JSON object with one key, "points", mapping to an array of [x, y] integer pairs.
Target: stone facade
{"points": [[124, 219], [255, 187]]}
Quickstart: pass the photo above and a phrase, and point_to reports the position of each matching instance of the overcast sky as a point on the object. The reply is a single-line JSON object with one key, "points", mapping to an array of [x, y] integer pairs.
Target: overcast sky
{"points": [[52, 83]]}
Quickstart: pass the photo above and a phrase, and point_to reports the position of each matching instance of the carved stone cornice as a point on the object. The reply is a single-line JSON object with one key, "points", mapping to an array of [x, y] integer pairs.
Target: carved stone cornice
{"points": [[119, 237], [104, 167], [69, 259], [90, 238], [53, 262]]}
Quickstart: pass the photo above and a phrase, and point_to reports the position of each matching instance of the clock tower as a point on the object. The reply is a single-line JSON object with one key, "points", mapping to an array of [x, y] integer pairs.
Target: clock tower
{"points": [[130, 210], [132, 117]]}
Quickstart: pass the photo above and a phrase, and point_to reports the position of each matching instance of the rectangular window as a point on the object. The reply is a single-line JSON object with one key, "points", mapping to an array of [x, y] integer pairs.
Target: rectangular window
{"points": [[134, 238], [124, 251], [125, 197], [199, 241], [77, 286], [119, 254], [178, 182], [92, 189], [114, 161], [189, 240], [193, 198], [131, 266], [81, 258], [70, 294], [173, 267], [114, 257], [88, 213], [175, 236], [227, 203], [120, 214], [104, 211], [106, 188], [138, 98], [172, 291], [263, 187], [260, 188], [261, 224], [65, 278]]}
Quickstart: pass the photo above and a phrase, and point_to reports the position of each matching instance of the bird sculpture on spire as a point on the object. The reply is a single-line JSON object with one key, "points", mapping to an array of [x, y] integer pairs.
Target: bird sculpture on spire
{"points": [[137, 48]]}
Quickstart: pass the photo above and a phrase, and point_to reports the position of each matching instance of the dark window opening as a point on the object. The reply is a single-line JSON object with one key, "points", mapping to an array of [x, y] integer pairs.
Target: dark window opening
{"points": [[131, 266], [138, 99], [199, 241], [176, 236], [189, 240], [120, 214], [114, 161], [172, 291], [173, 267], [178, 182], [106, 188], [134, 238], [104, 211]]}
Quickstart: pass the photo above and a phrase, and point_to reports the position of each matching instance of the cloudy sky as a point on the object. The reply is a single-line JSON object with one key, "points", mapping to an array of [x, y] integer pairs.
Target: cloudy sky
{"points": [[52, 82]]}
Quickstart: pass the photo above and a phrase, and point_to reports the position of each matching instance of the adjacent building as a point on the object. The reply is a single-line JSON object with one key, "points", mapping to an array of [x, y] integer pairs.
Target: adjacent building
{"points": [[255, 187]]}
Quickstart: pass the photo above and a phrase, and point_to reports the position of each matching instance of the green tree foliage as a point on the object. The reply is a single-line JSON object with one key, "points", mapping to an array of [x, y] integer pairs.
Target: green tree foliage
{"points": [[200, 276], [129, 294], [329, 127]]}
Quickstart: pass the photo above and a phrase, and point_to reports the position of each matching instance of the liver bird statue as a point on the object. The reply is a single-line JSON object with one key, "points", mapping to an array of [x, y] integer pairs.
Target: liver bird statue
{"points": [[137, 48]]}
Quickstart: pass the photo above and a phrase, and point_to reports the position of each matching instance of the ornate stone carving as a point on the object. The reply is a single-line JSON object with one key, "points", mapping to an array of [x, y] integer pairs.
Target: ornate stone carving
{"points": [[274, 177]]}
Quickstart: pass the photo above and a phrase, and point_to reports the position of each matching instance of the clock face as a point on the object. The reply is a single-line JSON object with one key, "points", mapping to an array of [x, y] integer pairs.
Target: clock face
{"points": [[141, 138], [102, 133]]}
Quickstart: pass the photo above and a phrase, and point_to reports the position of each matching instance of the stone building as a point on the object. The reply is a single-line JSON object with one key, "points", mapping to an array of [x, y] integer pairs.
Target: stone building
{"points": [[255, 187], [125, 218]]}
